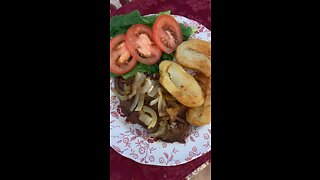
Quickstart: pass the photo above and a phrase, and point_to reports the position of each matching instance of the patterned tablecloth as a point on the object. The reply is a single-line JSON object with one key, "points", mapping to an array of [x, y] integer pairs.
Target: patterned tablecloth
{"points": [[122, 168]]}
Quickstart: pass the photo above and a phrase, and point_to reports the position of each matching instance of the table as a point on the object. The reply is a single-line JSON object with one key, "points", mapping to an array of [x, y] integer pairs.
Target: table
{"points": [[121, 167]]}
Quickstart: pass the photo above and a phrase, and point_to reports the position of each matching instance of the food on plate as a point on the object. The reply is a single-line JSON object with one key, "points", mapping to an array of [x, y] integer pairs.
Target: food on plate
{"points": [[155, 91], [162, 115], [120, 25], [149, 120], [121, 61], [180, 84], [201, 115], [196, 55], [140, 42], [167, 33]]}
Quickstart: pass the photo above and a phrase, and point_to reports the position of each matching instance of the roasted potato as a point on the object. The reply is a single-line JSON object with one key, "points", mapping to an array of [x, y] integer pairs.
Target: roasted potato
{"points": [[196, 55], [199, 116], [180, 84]]}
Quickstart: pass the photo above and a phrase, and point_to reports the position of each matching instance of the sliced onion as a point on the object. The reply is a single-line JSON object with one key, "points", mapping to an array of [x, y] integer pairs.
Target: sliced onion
{"points": [[140, 103], [153, 102], [164, 104], [141, 80], [121, 97], [160, 131], [145, 119], [135, 81], [153, 84], [147, 85], [153, 116], [153, 123], [161, 104], [138, 80], [154, 90], [135, 102], [160, 100]]}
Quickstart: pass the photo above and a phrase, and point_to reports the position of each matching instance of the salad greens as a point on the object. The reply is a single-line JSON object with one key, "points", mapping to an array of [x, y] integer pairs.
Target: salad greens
{"points": [[187, 31], [143, 68], [120, 24]]}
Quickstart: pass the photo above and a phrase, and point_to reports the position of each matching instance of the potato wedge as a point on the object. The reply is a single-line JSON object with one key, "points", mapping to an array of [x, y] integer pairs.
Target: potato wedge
{"points": [[196, 55], [199, 116], [180, 84]]}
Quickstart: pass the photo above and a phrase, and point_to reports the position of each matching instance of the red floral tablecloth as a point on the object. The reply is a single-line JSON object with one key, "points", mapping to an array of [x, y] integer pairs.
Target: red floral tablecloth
{"points": [[122, 168]]}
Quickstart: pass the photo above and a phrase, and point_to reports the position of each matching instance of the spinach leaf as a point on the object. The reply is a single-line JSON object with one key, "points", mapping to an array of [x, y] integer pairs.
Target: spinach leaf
{"points": [[166, 56], [187, 31], [142, 68]]}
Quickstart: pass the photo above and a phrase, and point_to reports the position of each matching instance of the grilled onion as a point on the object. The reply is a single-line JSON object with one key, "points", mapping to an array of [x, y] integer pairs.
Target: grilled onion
{"points": [[155, 101], [135, 102], [147, 85], [161, 104], [153, 116], [138, 80], [141, 102], [154, 90], [145, 119], [160, 131]]}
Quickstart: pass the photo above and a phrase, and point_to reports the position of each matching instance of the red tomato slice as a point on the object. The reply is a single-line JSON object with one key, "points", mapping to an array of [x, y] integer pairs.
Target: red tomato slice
{"points": [[121, 61], [139, 41], [167, 33]]}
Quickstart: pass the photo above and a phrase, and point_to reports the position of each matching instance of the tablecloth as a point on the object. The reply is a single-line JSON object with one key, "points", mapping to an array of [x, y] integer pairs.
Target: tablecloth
{"points": [[122, 168], [198, 10]]}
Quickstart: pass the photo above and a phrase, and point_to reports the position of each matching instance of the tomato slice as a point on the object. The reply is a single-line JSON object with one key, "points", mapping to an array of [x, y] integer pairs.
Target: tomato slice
{"points": [[139, 40], [167, 33], [121, 61]]}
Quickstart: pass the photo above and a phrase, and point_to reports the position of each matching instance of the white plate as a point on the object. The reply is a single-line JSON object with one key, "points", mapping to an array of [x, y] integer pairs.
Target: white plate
{"points": [[130, 140]]}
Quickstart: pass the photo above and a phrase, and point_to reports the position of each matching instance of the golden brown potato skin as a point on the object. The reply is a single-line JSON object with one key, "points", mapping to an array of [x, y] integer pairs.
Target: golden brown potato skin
{"points": [[180, 84], [201, 115], [196, 55]]}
